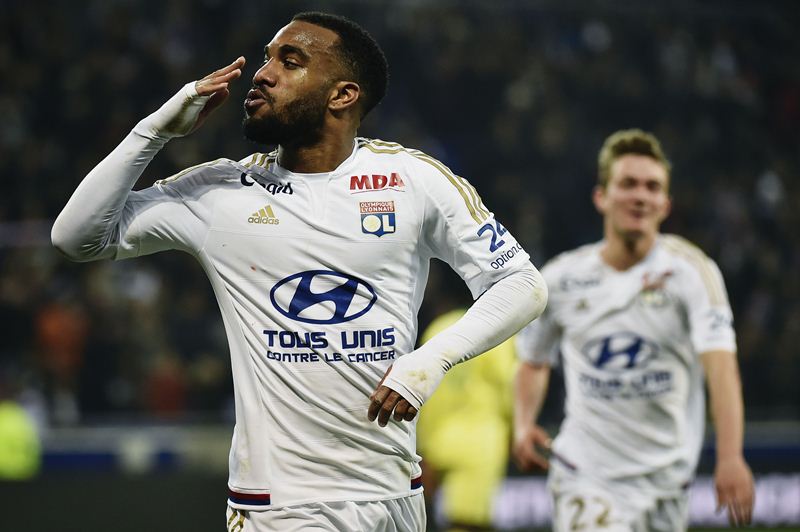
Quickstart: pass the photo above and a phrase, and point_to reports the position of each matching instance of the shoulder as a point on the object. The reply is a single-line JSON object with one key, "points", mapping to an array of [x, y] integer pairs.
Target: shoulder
{"points": [[410, 156], [571, 260], [259, 159], [212, 173], [688, 259], [684, 253], [432, 177]]}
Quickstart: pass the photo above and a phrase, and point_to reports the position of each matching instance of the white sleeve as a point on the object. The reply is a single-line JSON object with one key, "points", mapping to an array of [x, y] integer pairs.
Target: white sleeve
{"points": [[708, 309], [460, 230], [539, 341], [500, 312], [103, 216]]}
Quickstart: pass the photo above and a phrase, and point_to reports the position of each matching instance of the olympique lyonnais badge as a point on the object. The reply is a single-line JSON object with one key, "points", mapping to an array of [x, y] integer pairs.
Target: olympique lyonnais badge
{"points": [[377, 217]]}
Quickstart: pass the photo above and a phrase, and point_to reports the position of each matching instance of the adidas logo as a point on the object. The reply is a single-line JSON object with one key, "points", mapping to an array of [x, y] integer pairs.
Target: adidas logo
{"points": [[264, 215]]}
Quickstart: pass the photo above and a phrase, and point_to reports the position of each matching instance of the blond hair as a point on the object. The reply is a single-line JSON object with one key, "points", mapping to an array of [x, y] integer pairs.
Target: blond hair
{"points": [[624, 142]]}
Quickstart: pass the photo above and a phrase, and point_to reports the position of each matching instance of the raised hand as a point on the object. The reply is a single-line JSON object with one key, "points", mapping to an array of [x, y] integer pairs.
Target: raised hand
{"points": [[189, 108], [215, 85]]}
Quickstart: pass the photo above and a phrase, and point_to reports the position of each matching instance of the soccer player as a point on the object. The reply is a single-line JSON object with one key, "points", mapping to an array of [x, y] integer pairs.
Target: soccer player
{"points": [[639, 319], [318, 254], [464, 431]]}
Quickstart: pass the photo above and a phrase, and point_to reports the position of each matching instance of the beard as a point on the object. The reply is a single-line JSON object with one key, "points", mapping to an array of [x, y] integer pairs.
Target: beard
{"points": [[297, 123]]}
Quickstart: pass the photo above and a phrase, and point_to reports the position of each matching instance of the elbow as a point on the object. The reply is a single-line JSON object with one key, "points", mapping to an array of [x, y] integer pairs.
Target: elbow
{"points": [[63, 243], [538, 292], [69, 245]]}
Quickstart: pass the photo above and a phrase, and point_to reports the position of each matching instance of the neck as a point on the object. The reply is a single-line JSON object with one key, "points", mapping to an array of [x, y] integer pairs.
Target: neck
{"points": [[324, 155], [625, 251]]}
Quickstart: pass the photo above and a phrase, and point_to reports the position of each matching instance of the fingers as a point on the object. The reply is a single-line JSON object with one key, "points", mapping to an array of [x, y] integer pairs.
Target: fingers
{"points": [[739, 505], [219, 79], [403, 411], [384, 402], [528, 459], [525, 450]]}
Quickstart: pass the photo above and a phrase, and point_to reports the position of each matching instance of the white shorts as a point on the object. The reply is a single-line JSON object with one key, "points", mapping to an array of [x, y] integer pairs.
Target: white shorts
{"points": [[592, 506], [406, 514]]}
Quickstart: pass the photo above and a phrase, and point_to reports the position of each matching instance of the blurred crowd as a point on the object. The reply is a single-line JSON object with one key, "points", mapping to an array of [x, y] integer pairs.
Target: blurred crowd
{"points": [[516, 96]]}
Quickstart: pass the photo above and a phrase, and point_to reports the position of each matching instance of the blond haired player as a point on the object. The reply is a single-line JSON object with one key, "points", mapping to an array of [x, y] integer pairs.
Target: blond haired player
{"points": [[318, 254], [641, 320]]}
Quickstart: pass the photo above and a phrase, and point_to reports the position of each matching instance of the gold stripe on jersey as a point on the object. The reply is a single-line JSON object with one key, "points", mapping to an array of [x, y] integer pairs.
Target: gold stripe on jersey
{"points": [[711, 279], [186, 171], [474, 201], [252, 160], [466, 190]]}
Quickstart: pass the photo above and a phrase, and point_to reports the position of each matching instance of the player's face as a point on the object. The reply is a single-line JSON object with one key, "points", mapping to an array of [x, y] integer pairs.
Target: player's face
{"points": [[636, 199], [289, 98]]}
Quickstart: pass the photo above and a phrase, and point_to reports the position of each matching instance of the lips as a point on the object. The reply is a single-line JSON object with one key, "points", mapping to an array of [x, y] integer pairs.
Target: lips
{"points": [[254, 100]]}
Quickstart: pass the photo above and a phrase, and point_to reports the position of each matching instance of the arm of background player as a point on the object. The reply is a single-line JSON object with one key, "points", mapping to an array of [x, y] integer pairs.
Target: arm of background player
{"points": [[732, 477], [530, 390], [506, 307], [86, 226]]}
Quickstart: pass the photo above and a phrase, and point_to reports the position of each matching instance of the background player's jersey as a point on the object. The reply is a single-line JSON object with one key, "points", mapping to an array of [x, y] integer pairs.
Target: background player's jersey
{"points": [[630, 343], [319, 278]]}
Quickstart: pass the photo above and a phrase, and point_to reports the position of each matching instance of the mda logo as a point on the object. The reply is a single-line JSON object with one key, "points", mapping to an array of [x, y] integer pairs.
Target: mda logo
{"points": [[322, 297]]}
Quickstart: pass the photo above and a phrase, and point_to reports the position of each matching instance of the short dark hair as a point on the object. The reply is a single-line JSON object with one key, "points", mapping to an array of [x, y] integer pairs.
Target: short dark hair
{"points": [[360, 55]]}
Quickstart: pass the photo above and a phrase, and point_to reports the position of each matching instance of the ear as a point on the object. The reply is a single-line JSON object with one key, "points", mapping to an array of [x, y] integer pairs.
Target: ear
{"points": [[344, 95], [599, 199], [667, 209]]}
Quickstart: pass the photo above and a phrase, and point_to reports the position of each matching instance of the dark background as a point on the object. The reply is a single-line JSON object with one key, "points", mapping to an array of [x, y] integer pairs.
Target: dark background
{"points": [[515, 96]]}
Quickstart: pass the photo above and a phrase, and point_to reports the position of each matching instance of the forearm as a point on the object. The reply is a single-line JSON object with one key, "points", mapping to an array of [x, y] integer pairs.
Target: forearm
{"points": [[501, 311], [530, 390], [86, 226], [726, 405]]}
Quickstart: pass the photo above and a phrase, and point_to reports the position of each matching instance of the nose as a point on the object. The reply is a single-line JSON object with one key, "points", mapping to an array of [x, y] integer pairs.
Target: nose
{"points": [[265, 75]]}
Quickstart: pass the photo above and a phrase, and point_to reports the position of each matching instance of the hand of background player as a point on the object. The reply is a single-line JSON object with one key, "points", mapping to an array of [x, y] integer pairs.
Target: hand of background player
{"points": [[734, 485], [189, 108], [384, 401], [526, 446]]}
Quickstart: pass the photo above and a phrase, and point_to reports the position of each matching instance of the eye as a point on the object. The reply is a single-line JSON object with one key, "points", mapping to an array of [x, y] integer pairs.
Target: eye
{"points": [[290, 64]]}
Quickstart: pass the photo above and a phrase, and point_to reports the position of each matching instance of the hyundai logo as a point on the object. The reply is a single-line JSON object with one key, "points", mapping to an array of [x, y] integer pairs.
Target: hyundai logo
{"points": [[322, 297], [620, 351]]}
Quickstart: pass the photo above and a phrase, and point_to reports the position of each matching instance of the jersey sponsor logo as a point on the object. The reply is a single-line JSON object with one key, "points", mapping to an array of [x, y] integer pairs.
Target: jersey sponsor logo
{"points": [[322, 297], [272, 188], [620, 352], [719, 319], [376, 182], [377, 217], [264, 215], [505, 257], [568, 283]]}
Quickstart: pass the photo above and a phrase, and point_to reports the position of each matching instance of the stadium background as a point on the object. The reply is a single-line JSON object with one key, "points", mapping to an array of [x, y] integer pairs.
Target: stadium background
{"points": [[123, 366]]}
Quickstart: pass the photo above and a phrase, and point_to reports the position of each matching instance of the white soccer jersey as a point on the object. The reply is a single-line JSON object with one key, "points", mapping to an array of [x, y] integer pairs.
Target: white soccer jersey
{"points": [[630, 344], [319, 278]]}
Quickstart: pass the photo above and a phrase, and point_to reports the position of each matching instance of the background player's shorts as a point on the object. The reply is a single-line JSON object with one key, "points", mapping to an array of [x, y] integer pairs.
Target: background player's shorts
{"points": [[406, 514], [592, 506]]}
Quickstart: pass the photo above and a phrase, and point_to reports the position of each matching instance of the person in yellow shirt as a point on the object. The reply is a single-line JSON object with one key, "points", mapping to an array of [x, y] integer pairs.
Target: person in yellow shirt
{"points": [[464, 431], [19, 443]]}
